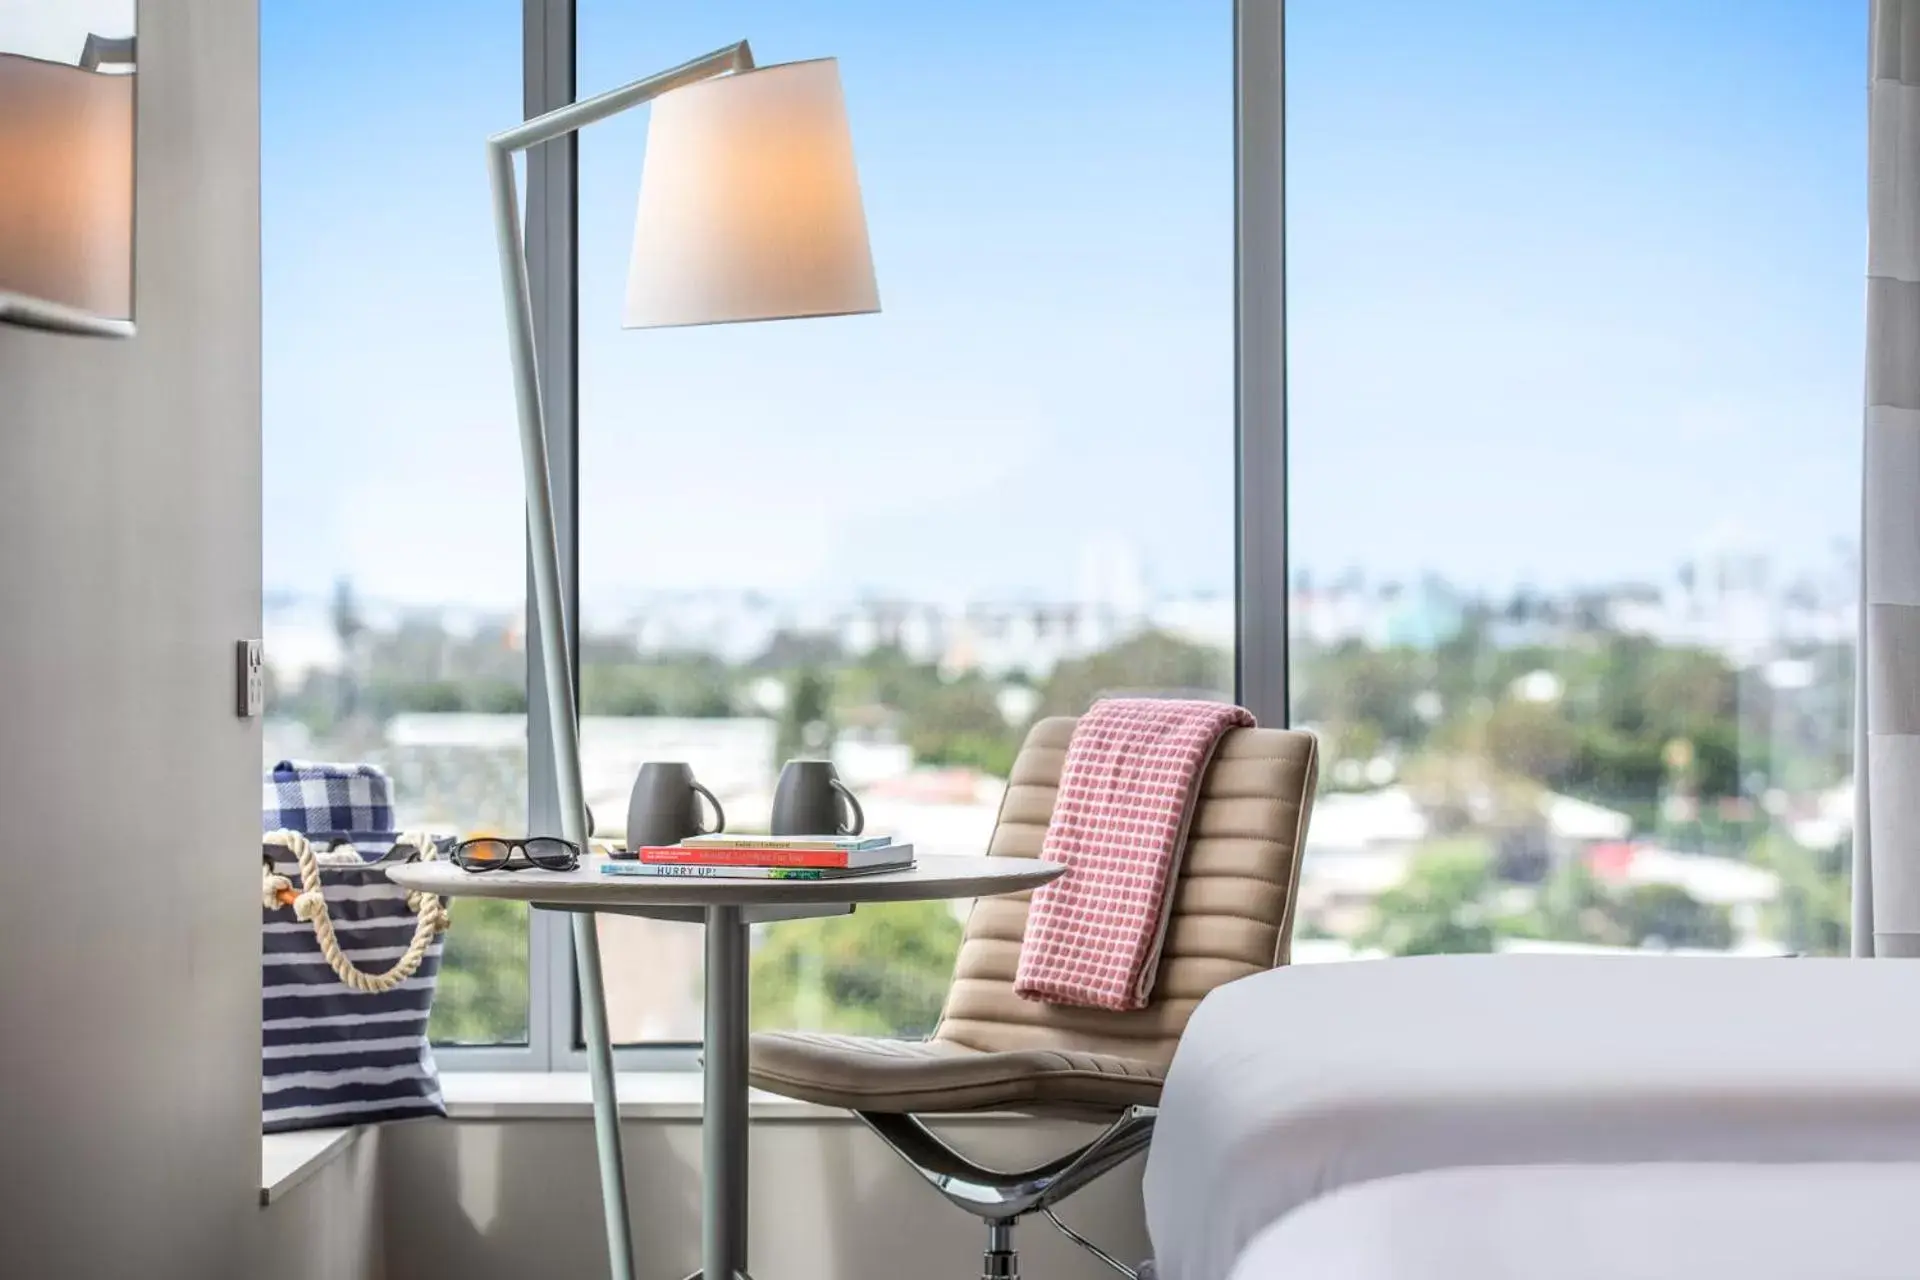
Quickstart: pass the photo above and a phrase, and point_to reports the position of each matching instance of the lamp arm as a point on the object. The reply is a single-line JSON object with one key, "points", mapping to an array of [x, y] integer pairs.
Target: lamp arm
{"points": [[578, 115], [543, 553]]}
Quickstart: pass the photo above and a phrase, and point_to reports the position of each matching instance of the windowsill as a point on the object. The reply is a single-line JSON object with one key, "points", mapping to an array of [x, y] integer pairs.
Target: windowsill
{"points": [[289, 1159], [644, 1095]]}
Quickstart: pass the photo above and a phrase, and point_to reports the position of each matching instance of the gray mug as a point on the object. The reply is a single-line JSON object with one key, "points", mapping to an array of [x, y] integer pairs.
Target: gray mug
{"points": [[810, 800], [665, 807]]}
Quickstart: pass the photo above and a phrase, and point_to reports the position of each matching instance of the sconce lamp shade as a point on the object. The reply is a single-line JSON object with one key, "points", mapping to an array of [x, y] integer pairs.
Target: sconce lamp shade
{"points": [[66, 185], [750, 203]]}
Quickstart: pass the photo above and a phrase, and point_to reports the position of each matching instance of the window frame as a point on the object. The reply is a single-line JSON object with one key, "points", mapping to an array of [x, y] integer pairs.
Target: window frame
{"points": [[547, 81], [1261, 571]]}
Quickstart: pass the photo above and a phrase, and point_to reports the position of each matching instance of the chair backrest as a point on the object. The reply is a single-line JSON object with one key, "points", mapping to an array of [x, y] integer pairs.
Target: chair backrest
{"points": [[1232, 906]]}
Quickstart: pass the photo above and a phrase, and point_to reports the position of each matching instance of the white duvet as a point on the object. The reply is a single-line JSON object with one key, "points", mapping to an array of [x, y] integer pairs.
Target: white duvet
{"points": [[1293, 1083], [1604, 1222]]}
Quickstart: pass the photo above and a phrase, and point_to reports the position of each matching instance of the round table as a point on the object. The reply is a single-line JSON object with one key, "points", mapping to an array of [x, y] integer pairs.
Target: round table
{"points": [[727, 908]]}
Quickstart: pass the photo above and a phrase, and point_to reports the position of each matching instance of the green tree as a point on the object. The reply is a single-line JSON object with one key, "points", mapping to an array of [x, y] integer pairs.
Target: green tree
{"points": [[1151, 661], [1441, 908], [1667, 915], [806, 718], [1530, 740], [1575, 907], [422, 695], [958, 722], [1814, 912], [1618, 768], [692, 686], [884, 970], [481, 996], [497, 697], [945, 720]]}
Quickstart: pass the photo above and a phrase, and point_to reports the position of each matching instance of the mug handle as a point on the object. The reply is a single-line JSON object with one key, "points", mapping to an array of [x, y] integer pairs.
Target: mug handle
{"points": [[859, 821], [719, 814]]}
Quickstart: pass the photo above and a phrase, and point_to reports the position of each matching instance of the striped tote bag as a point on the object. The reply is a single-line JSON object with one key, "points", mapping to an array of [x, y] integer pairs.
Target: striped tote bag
{"points": [[348, 959]]}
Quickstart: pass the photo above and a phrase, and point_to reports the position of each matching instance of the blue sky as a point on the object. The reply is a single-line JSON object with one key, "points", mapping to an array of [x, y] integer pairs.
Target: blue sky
{"points": [[1573, 289]]}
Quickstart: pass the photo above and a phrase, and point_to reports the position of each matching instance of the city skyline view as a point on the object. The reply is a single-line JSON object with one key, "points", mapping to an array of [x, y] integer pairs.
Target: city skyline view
{"points": [[1513, 755], [1728, 595]]}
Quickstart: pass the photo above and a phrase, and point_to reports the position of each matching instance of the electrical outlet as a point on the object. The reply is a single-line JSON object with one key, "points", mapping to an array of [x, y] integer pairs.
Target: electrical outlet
{"points": [[251, 669]]}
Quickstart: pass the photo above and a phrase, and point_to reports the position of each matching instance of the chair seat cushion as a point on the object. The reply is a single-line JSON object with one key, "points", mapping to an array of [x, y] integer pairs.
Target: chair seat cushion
{"points": [[923, 1076]]}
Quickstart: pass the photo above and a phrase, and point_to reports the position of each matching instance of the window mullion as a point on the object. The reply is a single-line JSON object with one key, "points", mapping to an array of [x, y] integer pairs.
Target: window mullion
{"points": [[1260, 356], [551, 270]]}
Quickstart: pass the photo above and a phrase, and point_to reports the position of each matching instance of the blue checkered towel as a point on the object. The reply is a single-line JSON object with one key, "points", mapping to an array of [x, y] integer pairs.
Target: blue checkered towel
{"points": [[351, 802]]}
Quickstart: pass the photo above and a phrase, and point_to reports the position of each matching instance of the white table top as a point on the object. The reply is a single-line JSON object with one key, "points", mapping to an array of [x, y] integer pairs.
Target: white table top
{"points": [[933, 876]]}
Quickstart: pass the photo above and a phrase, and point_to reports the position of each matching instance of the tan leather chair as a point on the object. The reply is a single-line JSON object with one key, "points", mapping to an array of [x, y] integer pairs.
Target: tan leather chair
{"points": [[993, 1051]]}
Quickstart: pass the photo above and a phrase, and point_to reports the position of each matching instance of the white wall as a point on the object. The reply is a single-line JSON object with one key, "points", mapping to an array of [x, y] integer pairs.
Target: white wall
{"points": [[129, 565], [519, 1198], [328, 1226]]}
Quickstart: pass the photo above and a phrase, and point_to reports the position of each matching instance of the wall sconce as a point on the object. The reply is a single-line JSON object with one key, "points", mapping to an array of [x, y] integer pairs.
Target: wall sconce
{"points": [[67, 89]]}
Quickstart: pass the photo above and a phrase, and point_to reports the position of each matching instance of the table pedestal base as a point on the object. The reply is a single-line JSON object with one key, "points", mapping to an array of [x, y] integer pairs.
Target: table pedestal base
{"points": [[723, 1123]]}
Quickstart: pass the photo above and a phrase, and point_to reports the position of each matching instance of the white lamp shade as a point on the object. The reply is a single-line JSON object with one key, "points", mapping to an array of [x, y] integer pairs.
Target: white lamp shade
{"points": [[66, 185], [750, 203]]}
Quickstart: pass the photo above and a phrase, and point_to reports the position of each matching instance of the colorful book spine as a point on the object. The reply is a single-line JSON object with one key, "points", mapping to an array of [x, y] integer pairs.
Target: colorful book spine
{"points": [[748, 856], [722, 840], [669, 871]]}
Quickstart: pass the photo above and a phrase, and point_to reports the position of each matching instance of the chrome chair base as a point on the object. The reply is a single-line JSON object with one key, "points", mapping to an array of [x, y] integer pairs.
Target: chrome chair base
{"points": [[1001, 1261], [1092, 1248], [1001, 1198]]}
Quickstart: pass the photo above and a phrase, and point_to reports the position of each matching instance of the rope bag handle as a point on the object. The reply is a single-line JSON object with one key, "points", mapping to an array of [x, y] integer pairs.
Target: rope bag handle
{"points": [[311, 905]]}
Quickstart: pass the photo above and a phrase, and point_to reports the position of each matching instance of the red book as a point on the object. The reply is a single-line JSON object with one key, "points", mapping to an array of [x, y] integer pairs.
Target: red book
{"points": [[748, 856]]}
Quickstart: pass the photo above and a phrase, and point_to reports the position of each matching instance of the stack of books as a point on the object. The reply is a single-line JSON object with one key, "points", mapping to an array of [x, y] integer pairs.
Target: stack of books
{"points": [[733, 857]]}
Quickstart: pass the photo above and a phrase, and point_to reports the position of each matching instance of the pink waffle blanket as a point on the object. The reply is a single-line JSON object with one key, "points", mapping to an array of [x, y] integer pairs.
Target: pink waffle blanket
{"points": [[1119, 824]]}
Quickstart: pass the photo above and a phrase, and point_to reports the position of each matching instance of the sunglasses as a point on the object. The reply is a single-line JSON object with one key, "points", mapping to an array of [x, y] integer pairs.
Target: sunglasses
{"points": [[491, 853]]}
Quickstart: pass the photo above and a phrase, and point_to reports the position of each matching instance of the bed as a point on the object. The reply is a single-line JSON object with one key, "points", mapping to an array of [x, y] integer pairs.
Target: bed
{"points": [[1292, 1084], [1604, 1222]]}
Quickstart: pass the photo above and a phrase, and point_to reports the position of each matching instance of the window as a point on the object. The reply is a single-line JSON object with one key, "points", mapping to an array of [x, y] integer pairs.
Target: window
{"points": [[1569, 461], [1575, 365], [896, 540], [394, 567]]}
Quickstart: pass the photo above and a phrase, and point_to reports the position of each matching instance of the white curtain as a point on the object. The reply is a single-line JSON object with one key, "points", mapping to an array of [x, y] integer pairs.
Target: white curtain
{"points": [[1886, 899]]}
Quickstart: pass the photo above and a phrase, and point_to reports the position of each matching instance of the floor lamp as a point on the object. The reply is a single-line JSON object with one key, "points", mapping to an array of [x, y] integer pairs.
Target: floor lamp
{"points": [[749, 210]]}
